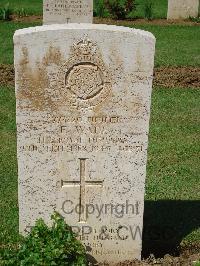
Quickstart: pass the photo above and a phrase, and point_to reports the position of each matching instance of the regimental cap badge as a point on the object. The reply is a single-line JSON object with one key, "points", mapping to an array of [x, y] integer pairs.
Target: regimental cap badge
{"points": [[84, 47], [84, 79]]}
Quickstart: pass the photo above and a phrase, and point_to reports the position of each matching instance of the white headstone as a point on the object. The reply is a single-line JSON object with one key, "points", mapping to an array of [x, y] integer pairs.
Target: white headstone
{"points": [[67, 11], [83, 105], [181, 9]]}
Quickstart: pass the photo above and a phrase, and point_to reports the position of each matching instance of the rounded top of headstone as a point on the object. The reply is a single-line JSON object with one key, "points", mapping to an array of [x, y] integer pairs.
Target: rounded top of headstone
{"points": [[76, 26]]}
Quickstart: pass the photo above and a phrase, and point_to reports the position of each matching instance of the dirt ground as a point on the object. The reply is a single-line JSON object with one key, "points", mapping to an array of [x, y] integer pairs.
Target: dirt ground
{"points": [[188, 257], [110, 21], [28, 19], [127, 22], [7, 76], [169, 77], [166, 261], [183, 77]]}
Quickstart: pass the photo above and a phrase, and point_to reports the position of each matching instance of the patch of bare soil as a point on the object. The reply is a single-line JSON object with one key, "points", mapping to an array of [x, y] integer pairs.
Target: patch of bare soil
{"points": [[168, 260], [169, 77], [127, 22], [7, 75], [182, 77], [111, 21], [28, 19]]}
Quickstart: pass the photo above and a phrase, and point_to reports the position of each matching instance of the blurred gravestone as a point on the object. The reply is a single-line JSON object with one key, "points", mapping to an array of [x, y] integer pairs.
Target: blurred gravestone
{"points": [[67, 11], [182, 9]]}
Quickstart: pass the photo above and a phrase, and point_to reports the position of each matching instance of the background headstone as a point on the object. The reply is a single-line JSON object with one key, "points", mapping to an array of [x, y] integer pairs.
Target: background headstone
{"points": [[181, 9], [83, 105], [67, 11]]}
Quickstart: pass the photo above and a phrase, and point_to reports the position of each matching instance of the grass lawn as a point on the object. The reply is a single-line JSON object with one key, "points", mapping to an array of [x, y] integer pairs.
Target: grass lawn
{"points": [[174, 145], [35, 7], [176, 45], [8, 168], [159, 8], [172, 187], [7, 30]]}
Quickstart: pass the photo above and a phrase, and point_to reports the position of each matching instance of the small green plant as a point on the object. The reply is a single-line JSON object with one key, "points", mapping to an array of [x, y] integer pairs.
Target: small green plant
{"points": [[195, 19], [100, 9], [5, 12], [197, 263], [21, 12], [148, 9], [120, 9], [48, 246]]}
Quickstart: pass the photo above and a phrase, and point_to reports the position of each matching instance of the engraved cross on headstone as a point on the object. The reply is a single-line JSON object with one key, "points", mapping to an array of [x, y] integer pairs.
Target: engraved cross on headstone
{"points": [[83, 183]]}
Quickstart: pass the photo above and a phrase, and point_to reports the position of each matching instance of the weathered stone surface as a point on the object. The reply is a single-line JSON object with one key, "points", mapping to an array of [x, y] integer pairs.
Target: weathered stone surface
{"points": [[180, 9], [67, 11], [83, 105]]}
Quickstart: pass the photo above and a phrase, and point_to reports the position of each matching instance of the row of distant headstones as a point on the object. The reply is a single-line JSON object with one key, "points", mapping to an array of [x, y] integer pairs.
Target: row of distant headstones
{"points": [[83, 13]]}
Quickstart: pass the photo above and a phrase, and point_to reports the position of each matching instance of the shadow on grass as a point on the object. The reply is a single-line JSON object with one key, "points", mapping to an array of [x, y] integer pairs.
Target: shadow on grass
{"points": [[166, 223]]}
